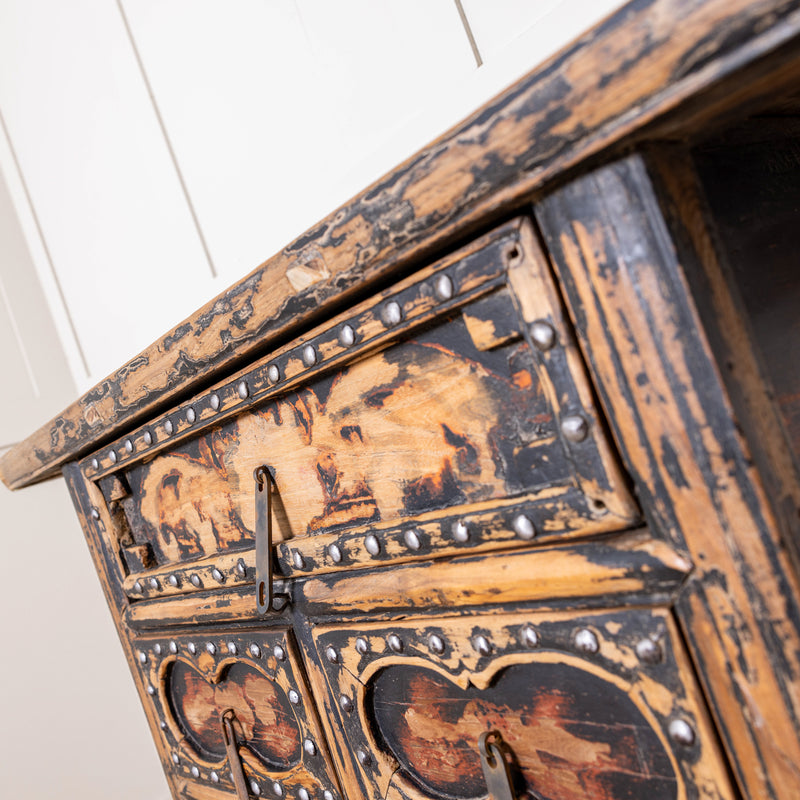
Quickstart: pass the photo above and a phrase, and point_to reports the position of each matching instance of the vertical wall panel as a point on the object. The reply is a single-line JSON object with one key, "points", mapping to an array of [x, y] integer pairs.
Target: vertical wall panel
{"points": [[269, 105], [99, 175], [37, 382]]}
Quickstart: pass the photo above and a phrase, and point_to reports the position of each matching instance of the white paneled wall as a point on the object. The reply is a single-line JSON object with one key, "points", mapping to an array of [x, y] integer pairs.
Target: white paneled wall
{"points": [[154, 151]]}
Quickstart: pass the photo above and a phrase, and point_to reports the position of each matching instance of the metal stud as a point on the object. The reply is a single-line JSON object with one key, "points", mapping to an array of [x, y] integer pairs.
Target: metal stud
{"points": [[649, 651], [524, 527], [255, 650], [277, 788], [362, 646], [395, 643], [294, 697], [279, 653], [112, 456], [412, 541], [172, 580], [148, 438], [347, 336], [214, 401], [302, 794], [195, 772], [243, 390], [195, 579], [95, 464], [298, 560], [392, 314], [436, 644], [241, 567], [575, 428], [364, 758], [192, 648], [211, 648], [157, 649], [162, 725], [444, 287], [176, 759], [128, 446], [151, 690], [482, 645], [232, 648], [255, 788], [529, 636], [273, 373], [681, 732], [153, 583], [142, 657], [335, 552], [310, 747], [327, 795], [372, 544], [460, 531], [543, 335], [137, 587], [309, 355], [345, 703], [217, 575], [173, 646], [168, 427], [214, 776], [95, 513], [586, 641], [190, 415], [331, 654]]}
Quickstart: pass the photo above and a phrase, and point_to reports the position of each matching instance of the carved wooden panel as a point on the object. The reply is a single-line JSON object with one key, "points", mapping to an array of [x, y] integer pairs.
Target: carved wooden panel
{"points": [[596, 705], [457, 399], [192, 678]]}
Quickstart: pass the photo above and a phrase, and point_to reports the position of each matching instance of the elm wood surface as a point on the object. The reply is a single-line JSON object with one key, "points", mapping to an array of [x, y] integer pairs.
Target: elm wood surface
{"points": [[636, 67], [622, 272], [589, 720], [631, 567]]}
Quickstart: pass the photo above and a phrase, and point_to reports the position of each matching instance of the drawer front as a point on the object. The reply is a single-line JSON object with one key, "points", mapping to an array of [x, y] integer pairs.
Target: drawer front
{"points": [[597, 706], [256, 679], [449, 412]]}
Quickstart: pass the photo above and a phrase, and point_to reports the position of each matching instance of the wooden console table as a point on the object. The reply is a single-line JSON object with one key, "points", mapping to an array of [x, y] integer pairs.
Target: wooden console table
{"points": [[490, 481]]}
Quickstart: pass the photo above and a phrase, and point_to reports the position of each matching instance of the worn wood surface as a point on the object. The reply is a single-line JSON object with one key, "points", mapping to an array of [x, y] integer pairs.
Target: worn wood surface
{"points": [[581, 723], [622, 273], [635, 67], [631, 566]]}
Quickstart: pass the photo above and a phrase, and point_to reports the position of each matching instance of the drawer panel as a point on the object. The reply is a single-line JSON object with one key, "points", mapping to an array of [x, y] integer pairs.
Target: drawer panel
{"points": [[191, 679], [449, 412], [591, 705]]}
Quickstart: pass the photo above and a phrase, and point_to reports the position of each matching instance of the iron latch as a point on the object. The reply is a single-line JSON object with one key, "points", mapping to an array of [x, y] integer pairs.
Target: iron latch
{"points": [[227, 719], [493, 752], [266, 601]]}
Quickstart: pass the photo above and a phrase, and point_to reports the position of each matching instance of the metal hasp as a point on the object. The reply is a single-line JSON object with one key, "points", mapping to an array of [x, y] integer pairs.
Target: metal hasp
{"points": [[495, 767], [266, 601], [227, 718]]}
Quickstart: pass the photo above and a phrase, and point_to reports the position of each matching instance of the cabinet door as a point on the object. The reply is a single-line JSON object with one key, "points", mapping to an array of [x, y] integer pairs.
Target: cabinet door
{"points": [[254, 679], [449, 413], [597, 705]]}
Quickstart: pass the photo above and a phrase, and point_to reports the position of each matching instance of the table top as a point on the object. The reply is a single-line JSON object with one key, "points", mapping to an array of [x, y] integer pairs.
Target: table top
{"points": [[654, 69]]}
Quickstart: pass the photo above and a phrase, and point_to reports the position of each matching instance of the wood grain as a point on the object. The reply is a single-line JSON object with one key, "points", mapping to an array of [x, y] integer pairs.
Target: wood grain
{"points": [[635, 67], [622, 272], [631, 565]]}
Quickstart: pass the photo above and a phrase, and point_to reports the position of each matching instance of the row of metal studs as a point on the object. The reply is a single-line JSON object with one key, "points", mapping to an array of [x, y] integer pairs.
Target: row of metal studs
{"points": [[174, 580], [584, 640], [391, 315], [522, 524]]}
